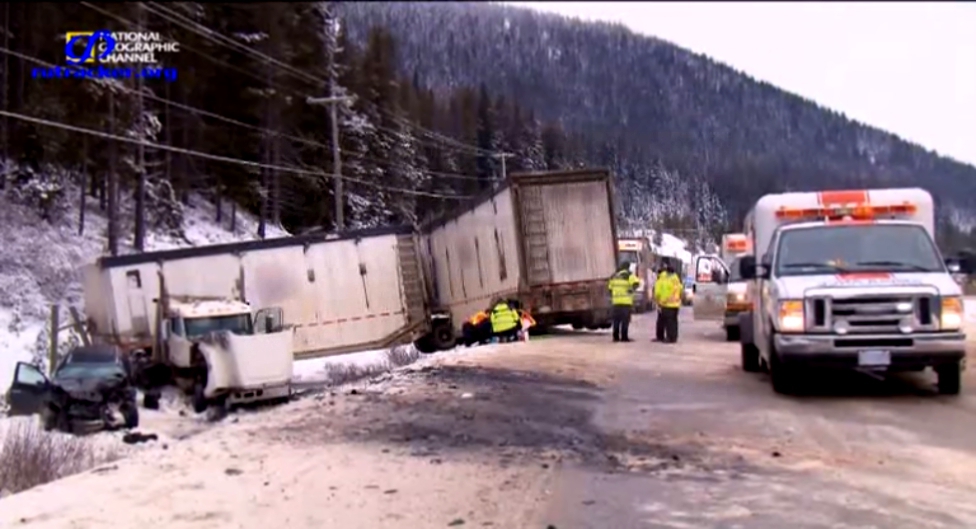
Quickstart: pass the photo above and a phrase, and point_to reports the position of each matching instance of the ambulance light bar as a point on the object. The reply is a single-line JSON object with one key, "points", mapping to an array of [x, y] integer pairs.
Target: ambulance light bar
{"points": [[736, 245], [859, 212]]}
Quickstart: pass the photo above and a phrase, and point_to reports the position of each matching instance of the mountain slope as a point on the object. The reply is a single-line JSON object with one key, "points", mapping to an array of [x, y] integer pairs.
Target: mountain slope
{"points": [[642, 101]]}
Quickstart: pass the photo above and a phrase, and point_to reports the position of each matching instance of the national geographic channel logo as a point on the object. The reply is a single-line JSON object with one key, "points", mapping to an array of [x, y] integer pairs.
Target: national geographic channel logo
{"points": [[116, 47]]}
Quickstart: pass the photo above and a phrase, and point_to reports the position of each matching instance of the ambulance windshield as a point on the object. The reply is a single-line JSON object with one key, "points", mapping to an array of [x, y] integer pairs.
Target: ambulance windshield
{"points": [[859, 248]]}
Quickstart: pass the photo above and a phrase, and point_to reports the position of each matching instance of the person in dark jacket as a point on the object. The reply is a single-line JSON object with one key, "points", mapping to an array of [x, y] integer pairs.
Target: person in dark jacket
{"points": [[477, 329]]}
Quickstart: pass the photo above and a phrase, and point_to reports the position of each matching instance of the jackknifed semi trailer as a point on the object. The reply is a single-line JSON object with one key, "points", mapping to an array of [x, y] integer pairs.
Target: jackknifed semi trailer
{"points": [[320, 295], [545, 239]]}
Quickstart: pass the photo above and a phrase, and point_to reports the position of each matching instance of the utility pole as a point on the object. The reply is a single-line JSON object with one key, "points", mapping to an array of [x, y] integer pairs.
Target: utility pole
{"points": [[502, 156], [140, 224], [336, 159]]}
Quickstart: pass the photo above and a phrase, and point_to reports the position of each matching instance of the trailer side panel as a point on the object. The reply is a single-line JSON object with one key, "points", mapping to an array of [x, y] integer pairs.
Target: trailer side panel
{"points": [[475, 257]]}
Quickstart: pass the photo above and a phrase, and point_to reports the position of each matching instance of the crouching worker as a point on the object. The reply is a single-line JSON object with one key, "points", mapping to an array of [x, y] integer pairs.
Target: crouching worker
{"points": [[477, 330], [504, 322], [526, 321]]}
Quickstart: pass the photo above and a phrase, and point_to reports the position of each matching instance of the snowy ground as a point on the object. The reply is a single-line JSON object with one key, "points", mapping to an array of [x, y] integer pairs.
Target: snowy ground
{"points": [[39, 264]]}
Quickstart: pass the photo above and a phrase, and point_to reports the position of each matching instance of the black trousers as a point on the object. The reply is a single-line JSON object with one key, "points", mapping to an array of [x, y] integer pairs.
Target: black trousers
{"points": [[667, 324], [621, 322], [480, 334], [508, 336]]}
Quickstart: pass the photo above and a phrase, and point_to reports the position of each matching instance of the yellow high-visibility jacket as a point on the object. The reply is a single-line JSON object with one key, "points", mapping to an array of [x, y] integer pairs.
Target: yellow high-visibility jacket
{"points": [[622, 286], [667, 291], [503, 318]]}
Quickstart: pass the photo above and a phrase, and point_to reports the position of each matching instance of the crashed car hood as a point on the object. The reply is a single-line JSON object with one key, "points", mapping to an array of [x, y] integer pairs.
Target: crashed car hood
{"points": [[798, 287], [87, 388]]}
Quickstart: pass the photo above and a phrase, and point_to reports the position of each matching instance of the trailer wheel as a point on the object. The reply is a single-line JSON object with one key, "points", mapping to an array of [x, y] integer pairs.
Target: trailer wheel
{"points": [[425, 345], [443, 337]]}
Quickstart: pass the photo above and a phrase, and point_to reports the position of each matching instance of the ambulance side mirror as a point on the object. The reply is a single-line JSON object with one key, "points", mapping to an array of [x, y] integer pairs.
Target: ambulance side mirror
{"points": [[749, 270]]}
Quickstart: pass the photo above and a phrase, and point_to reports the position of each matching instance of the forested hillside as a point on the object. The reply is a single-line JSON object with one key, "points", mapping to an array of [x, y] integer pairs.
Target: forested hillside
{"points": [[237, 124], [653, 110], [431, 96]]}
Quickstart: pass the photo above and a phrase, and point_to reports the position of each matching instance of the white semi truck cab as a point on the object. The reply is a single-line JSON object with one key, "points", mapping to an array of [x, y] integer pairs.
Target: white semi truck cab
{"points": [[849, 279]]}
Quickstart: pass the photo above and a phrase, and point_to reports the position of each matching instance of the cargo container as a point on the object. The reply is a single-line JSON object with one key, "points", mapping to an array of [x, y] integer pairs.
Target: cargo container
{"points": [[547, 240]]}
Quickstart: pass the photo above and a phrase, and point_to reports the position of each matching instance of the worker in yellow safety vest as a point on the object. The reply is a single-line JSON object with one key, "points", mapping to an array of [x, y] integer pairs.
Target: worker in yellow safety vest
{"points": [[504, 321], [622, 286], [667, 295]]}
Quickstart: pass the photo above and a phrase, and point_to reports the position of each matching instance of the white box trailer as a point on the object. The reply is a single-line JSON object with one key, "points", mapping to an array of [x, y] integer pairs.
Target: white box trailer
{"points": [[358, 291], [545, 239]]}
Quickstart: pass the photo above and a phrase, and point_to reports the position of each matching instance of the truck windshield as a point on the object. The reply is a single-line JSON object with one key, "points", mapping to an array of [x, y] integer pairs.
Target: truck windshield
{"points": [[856, 248], [627, 256], [236, 324]]}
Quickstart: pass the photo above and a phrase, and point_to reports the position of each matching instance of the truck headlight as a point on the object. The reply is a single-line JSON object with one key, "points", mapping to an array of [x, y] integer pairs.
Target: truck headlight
{"points": [[791, 316], [735, 298], [952, 313]]}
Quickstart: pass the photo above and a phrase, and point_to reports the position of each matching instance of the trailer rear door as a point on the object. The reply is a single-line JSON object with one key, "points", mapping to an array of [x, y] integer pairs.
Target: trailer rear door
{"points": [[567, 226]]}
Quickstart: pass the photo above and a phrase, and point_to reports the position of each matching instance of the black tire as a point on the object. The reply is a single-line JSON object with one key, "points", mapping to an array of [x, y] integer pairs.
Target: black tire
{"points": [[750, 358], [199, 399], [425, 345], [443, 337], [150, 400], [49, 420], [950, 379], [130, 414], [732, 333], [578, 326], [783, 377]]}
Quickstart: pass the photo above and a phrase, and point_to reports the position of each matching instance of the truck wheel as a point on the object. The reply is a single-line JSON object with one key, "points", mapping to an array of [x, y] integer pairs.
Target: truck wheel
{"points": [[783, 377], [199, 399], [950, 379], [750, 358], [732, 334], [425, 345], [578, 326]]}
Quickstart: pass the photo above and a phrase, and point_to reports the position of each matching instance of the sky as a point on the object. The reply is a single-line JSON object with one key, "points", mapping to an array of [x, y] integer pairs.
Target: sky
{"points": [[908, 68]]}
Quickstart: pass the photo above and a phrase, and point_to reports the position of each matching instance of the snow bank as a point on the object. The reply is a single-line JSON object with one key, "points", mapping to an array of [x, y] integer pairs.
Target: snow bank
{"points": [[317, 369], [39, 263]]}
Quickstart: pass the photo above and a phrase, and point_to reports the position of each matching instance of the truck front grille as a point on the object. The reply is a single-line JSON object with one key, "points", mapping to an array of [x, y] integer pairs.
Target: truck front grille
{"points": [[872, 314]]}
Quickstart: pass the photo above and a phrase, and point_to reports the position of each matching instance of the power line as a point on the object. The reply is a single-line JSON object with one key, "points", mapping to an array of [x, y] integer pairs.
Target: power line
{"points": [[201, 112], [214, 157], [445, 140], [229, 42]]}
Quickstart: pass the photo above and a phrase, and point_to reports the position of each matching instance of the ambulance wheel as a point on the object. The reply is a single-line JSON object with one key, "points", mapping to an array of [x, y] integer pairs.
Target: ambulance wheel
{"points": [[950, 379]]}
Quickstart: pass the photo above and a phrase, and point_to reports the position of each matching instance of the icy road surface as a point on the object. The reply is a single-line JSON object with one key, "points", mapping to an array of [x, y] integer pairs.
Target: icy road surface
{"points": [[567, 431]]}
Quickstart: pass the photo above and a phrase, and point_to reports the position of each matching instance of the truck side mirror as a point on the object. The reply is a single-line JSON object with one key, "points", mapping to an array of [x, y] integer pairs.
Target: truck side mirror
{"points": [[747, 267], [269, 326]]}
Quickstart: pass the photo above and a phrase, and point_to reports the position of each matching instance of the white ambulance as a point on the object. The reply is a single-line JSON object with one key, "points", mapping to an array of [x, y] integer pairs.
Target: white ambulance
{"points": [[850, 279]]}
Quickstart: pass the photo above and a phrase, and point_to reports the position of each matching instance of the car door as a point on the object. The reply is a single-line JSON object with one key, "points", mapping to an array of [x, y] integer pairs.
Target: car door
{"points": [[710, 286], [29, 391]]}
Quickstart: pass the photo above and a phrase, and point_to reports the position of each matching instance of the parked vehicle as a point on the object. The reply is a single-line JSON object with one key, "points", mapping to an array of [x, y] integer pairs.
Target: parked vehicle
{"points": [[90, 390], [637, 252], [545, 239], [850, 279]]}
